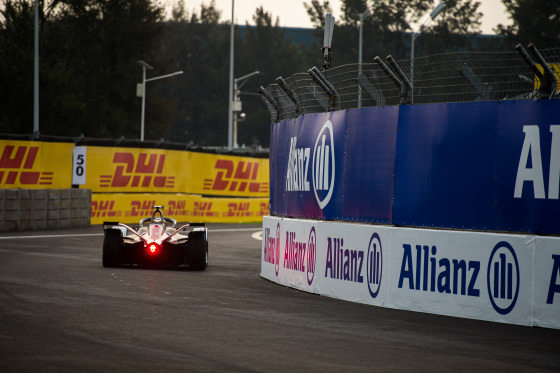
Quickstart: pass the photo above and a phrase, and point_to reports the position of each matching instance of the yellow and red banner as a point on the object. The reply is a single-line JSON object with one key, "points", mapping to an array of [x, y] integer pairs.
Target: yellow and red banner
{"points": [[131, 208], [127, 182], [153, 170], [555, 68], [35, 165], [230, 175]]}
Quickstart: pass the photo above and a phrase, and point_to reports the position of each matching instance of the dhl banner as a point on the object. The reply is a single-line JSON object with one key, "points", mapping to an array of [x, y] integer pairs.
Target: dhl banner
{"points": [[131, 208], [555, 68], [154, 170], [35, 165]]}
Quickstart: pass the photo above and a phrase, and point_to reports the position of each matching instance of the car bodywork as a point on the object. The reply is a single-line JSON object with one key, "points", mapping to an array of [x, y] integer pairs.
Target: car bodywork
{"points": [[157, 242]]}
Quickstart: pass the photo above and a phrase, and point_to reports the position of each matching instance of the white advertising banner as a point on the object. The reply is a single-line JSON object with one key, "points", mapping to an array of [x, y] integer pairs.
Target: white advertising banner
{"points": [[494, 277], [353, 262], [546, 299], [289, 252], [464, 274], [332, 259]]}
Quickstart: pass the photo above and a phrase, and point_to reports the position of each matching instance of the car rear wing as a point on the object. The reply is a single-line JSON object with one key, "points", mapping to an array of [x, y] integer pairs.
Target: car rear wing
{"points": [[106, 224], [122, 227], [166, 219], [110, 225]]}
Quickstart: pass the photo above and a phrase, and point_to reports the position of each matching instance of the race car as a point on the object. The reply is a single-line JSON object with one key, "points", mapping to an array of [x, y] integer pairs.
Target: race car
{"points": [[156, 243]]}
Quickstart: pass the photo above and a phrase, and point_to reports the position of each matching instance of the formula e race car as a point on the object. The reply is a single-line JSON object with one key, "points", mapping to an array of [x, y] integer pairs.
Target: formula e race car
{"points": [[158, 244]]}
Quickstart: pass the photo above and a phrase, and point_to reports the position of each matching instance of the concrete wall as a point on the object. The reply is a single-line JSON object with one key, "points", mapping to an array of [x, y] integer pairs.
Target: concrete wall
{"points": [[22, 209]]}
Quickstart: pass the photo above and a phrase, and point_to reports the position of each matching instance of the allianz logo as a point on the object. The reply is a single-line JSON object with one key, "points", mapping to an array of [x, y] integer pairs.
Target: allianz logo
{"points": [[424, 269], [271, 246], [322, 162], [355, 265]]}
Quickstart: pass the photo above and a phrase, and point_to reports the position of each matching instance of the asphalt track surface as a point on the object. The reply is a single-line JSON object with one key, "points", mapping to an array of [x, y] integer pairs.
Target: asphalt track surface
{"points": [[61, 311]]}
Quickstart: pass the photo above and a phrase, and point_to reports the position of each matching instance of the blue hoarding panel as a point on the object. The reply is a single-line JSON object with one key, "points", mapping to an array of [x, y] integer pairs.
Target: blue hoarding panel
{"points": [[444, 169], [281, 134], [528, 166], [336, 165], [369, 164], [481, 166], [324, 135], [308, 153]]}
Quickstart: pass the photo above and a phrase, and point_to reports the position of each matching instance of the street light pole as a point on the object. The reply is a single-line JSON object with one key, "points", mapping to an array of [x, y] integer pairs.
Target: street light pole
{"points": [[230, 111], [36, 73], [413, 38], [236, 104], [437, 10], [363, 16], [145, 66]]}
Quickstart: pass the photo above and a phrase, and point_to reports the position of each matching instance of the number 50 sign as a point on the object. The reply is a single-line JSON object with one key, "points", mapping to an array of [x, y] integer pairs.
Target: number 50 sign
{"points": [[79, 166]]}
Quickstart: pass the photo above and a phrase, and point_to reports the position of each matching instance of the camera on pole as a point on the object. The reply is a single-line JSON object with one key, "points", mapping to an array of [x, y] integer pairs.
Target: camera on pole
{"points": [[327, 40]]}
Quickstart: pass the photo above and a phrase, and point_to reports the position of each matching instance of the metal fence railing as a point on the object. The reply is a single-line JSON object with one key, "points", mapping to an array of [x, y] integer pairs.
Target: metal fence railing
{"points": [[452, 77]]}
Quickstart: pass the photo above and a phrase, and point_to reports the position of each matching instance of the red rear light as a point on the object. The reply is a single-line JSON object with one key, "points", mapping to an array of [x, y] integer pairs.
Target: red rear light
{"points": [[153, 248]]}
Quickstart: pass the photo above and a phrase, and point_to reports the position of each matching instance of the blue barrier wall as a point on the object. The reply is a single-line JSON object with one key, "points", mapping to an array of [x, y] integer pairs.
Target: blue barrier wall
{"points": [[481, 166], [445, 165]]}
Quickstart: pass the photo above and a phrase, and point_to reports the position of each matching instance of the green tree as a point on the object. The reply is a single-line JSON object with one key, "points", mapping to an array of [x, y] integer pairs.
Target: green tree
{"points": [[455, 29], [88, 71], [316, 11], [534, 21], [265, 48], [387, 30], [16, 75], [201, 44]]}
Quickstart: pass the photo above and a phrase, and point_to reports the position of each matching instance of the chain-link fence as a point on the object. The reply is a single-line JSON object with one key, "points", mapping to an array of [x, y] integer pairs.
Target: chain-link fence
{"points": [[452, 77]]}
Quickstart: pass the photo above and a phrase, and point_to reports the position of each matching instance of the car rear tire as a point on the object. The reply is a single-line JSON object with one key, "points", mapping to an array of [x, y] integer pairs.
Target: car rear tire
{"points": [[198, 248], [112, 244]]}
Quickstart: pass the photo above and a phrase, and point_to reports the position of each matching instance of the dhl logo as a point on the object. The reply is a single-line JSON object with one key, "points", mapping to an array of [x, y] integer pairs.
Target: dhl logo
{"points": [[22, 157], [176, 208], [144, 208], [202, 209], [138, 208], [264, 209], [137, 173], [240, 178], [103, 209], [243, 210], [141, 208], [239, 210]]}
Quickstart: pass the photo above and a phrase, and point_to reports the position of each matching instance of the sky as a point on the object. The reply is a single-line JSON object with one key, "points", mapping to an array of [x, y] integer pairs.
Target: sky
{"points": [[292, 13]]}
